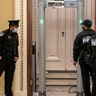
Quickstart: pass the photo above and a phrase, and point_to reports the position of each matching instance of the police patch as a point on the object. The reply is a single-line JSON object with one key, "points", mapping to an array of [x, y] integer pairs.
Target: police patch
{"points": [[86, 39], [1, 33], [93, 42]]}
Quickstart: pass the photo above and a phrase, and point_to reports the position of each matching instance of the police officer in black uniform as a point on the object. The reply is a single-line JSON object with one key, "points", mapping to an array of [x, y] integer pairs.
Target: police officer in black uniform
{"points": [[79, 51], [9, 54], [92, 47]]}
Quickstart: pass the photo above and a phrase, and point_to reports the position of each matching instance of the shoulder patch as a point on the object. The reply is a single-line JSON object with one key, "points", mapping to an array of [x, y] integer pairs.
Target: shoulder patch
{"points": [[93, 42], [1, 33], [86, 39]]}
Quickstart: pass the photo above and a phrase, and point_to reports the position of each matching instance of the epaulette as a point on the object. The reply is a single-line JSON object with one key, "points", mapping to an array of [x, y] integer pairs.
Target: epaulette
{"points": [[1, 34]]}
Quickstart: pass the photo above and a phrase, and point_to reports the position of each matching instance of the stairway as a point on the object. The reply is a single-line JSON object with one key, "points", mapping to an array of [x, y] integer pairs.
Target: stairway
{"points": [[59, 80]]}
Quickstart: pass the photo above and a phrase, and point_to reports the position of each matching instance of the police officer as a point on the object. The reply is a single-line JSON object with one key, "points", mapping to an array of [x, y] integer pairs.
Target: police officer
{"points": [[9, 54], [79, 51], [92, 47]]}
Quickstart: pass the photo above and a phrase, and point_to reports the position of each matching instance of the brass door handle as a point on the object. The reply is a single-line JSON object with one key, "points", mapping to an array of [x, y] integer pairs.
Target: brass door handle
{"points": [[62, 34]]}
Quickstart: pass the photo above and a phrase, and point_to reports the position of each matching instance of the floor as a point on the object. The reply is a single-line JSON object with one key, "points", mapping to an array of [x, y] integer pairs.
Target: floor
{"points": [[56, 94], [59, 91]]}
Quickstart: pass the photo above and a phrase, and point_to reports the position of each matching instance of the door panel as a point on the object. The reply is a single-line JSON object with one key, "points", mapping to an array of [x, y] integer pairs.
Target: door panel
{"points": [[58, 39], [53, 40], [71, 24]]}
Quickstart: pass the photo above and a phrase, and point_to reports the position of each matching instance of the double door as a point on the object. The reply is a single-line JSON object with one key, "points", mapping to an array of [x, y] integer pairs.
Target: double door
{"points": [[61, 24]]}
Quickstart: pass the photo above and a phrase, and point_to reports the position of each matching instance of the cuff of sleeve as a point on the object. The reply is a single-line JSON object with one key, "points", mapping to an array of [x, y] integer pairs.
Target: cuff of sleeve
{"points": [[75, 59], [16, 56]]}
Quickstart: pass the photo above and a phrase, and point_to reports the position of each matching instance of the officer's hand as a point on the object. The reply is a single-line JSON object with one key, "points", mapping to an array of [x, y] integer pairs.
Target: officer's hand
{"points": [[15, 59], [0, 57], [74, 63]]}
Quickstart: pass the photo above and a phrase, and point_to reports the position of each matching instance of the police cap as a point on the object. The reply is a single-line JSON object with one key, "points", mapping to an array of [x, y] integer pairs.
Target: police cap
{"points": [[14, 22], [87, 23]]}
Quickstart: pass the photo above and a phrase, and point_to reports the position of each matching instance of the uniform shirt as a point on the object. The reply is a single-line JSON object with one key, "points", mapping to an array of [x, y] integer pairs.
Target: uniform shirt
{"points": [[9, 42], [81, 42]]}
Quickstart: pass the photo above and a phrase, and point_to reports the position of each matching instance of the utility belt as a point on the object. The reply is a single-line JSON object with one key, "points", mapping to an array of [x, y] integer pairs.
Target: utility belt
{"points": [[82, 53], [87, 57], [7, 54], [83, 57]]}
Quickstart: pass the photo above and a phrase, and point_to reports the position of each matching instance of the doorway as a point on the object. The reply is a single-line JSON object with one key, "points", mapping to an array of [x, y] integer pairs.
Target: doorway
{"points": [[60, 33]]}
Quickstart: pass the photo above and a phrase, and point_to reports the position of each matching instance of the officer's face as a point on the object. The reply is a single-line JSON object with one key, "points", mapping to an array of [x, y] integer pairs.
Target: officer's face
{"points": [[12, 28], [15, 29], [16, 26]]}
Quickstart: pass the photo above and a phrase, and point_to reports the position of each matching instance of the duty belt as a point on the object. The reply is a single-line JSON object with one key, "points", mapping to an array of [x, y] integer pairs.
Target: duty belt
{"points": [[7, 54]]}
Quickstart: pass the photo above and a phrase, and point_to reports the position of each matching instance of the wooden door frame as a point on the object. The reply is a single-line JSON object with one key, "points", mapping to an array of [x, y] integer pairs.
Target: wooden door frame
{"points": [[29, 47]]}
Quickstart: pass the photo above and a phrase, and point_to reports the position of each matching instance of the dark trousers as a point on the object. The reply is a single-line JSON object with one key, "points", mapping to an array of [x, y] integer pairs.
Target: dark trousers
{"points": [[7, 65], [86, 71], [94, 77]]}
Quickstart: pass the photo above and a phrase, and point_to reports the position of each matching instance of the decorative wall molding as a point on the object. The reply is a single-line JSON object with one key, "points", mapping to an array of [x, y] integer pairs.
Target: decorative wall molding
{"points": [[35, 29], [20, 78], [18, 67]]}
